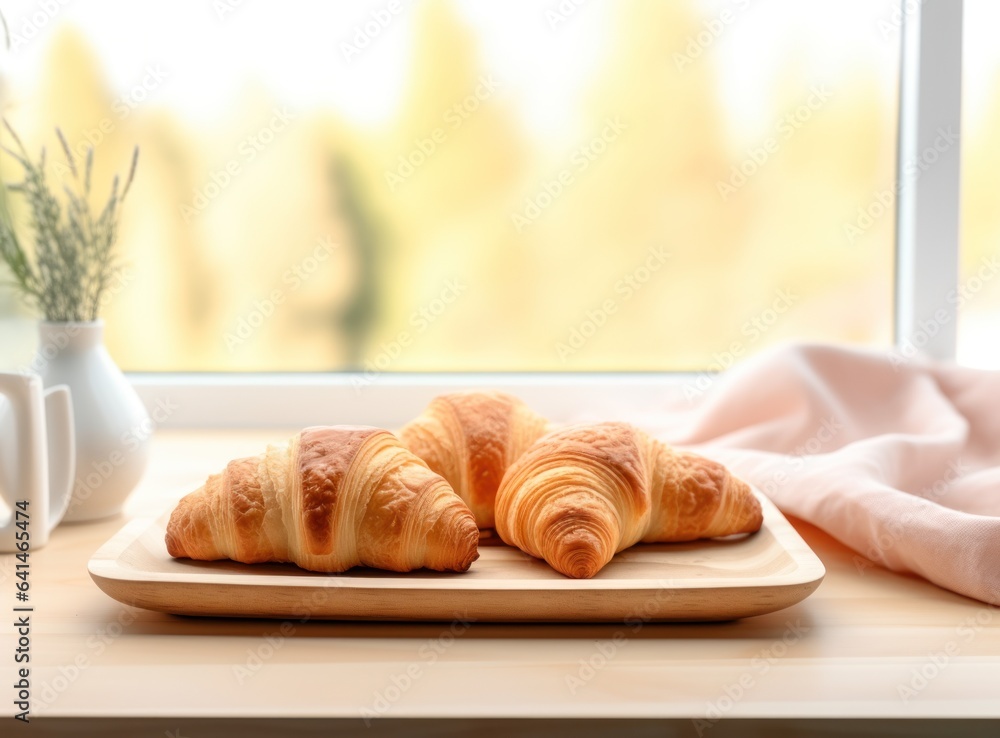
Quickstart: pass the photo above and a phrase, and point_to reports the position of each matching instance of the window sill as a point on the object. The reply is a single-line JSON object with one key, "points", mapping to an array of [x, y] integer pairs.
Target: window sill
{"points": [[388, 400]]}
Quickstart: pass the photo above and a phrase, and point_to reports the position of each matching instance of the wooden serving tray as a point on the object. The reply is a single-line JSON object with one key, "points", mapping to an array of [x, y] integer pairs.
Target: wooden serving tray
{"points": [[705, 580]]}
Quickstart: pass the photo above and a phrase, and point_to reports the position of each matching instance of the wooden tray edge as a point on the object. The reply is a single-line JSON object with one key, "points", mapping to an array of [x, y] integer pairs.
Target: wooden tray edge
{"points": [[542, 603]]}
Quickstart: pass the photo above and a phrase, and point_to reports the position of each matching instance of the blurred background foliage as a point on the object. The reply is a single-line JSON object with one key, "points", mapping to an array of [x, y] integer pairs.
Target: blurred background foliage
{"points": [[227, 237]]}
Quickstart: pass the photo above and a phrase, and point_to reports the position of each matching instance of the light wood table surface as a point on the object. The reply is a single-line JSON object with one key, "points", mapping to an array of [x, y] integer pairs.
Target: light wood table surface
{"points": [[866, 644]]}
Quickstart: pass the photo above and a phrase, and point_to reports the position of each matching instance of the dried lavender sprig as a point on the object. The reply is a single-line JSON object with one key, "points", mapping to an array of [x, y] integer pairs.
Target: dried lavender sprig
{"points": [[69, 154], [73, 260]]}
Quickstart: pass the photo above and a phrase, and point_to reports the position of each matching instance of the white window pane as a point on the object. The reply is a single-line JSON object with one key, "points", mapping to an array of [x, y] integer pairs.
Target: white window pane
{"points": [[978, 293]]}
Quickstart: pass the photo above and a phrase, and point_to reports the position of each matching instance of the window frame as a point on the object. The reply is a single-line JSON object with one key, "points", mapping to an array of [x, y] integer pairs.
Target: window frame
{"points": [[926, 255], [928, 205]]}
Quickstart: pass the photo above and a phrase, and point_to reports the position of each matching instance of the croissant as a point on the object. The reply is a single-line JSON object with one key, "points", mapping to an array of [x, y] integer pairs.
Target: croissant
{"points": [[583, 493], [470, 439], [329, 499]]}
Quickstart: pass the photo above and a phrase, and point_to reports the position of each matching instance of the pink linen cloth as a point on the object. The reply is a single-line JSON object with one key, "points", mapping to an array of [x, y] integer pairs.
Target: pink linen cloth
{"points": [[900, 460]]}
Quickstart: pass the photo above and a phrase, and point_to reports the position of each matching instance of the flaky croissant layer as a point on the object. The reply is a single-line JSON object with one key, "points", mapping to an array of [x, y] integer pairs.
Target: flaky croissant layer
{"points": [[581, 494], [470, 439], [330, 499]]}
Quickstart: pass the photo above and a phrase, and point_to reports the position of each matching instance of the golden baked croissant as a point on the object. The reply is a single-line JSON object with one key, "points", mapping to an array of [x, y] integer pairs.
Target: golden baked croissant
{"points": [[583, 493], [470, 439], [329, 499]]}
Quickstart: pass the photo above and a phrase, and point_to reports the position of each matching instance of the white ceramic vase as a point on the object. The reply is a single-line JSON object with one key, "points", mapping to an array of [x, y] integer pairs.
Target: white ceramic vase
{"points": [[112, 426]]}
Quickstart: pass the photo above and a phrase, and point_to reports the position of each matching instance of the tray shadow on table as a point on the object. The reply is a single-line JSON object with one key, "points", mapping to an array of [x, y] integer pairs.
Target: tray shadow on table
{"points": [[768, 627]]}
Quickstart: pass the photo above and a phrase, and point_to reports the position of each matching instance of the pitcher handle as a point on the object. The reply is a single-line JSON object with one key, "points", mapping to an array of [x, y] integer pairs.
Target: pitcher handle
{"points": [[62, 451], [30, 477]]}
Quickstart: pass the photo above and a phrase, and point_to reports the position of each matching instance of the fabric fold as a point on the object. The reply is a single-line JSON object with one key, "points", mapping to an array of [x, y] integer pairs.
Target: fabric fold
{"points": [[900, 460]]}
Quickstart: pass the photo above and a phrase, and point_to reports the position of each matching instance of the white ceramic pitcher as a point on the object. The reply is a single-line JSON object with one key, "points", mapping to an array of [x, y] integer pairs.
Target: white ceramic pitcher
{"points": [[37, 458]]}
